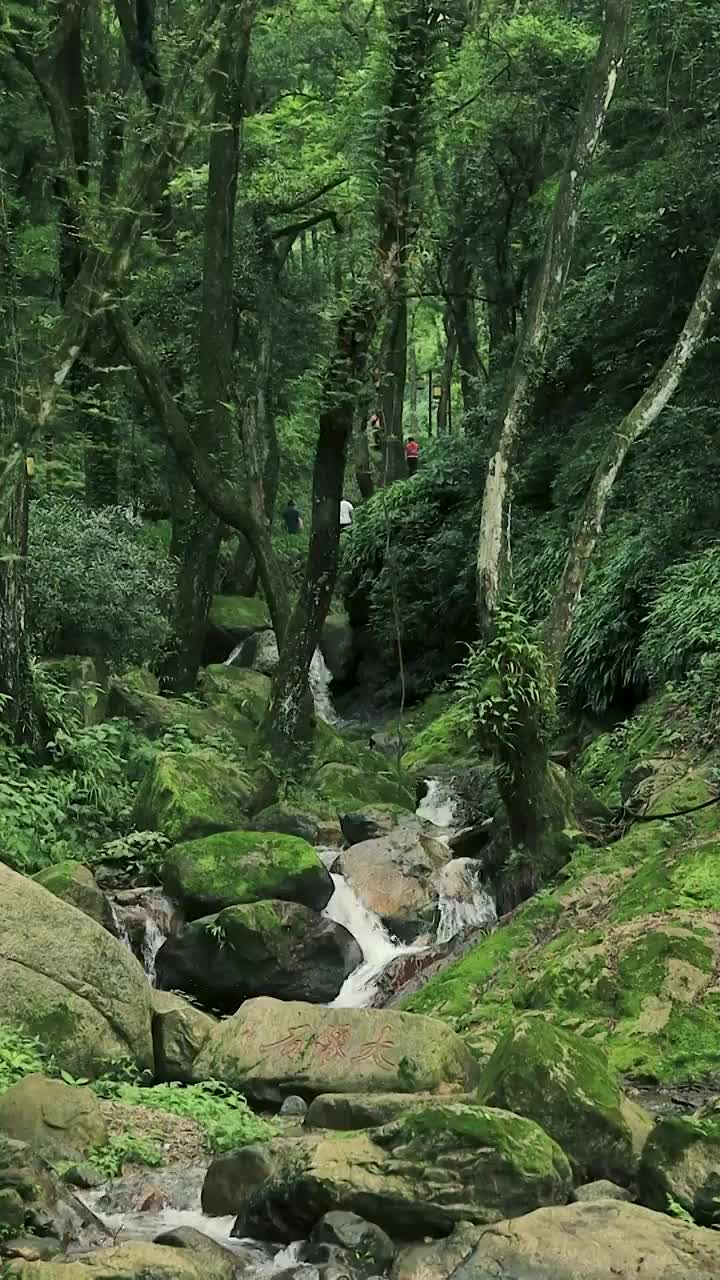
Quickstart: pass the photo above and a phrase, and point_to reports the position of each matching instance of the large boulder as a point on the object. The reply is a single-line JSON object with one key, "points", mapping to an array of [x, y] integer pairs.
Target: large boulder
{"points": [[436, 1261], [345, 786], [76, 884], [179, 1033], [233, 867], [367, 1248], [32, 1198], [190, 794], [376, 821], [289, 820], [231, 619], [136, 1260], [593, 1242], [393, 876], [436, 1167], [346, 1111], [235, 691], [337, 644], [156, 715], [262, 948], [681, 1164], [57, 1121], [564, 1083], [67, 980], [272, 1048]]}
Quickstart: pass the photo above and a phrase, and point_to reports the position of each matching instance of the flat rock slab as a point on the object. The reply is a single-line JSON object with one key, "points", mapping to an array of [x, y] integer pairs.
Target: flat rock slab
{"points": [[594, 1242], [271, 1048]]}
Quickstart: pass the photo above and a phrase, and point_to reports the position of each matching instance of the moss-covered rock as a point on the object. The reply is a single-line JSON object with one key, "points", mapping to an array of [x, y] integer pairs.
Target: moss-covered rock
{"points": [[179, 1031], [136, 1260], [681, 1165], [236, 689], [435, 1167], [338, 646], [440, 740], [232, 867], [290, 820], [566, 1084], [593, 1242], [345, 786], [191, 794], [77, 885], [57, 1121], [232, 619], [155, 715], [622, 951], [272, 1048], [262, 948], [31, 1196], [347, 1111], [67, 980]]}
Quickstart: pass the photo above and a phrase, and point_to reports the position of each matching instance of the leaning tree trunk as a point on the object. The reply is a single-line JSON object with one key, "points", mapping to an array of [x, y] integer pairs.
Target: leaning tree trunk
{"points": [[528, 779], [640, 418]]}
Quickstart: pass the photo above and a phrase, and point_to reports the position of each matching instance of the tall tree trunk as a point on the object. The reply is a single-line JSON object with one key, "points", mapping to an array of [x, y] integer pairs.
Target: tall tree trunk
{"points": [[528, 781], [394, 363], [412, 381], [544, 299], [99, 423], [196, 530], [15, 682], [289, 720], [443, 409], [461, 278], [639, 420]]}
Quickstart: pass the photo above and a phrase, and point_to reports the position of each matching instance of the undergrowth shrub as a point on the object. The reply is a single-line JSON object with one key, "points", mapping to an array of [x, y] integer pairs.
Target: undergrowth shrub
{"points": [[683, 624], [224, 1116], [96, 586], [122, 1149], [20, 1056]]}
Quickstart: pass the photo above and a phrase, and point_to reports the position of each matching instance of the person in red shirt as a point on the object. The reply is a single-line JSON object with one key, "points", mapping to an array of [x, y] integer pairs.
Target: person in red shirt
{"points": [[412, 449]]}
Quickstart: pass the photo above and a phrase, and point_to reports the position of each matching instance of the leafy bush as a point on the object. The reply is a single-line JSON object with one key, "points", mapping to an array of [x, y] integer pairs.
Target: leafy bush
{"points": [[122, 1149], [224, 1115], [683, 624], [96, 587], [68, 808], [20, 1056]]}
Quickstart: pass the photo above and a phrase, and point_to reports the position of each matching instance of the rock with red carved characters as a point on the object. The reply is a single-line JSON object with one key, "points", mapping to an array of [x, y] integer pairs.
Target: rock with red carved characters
{"points": [[272, 1048]]}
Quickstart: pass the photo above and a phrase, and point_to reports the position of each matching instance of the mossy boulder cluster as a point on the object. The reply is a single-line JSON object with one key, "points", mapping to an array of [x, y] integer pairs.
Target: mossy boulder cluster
{"points": [[65, 979], [622, 949]]}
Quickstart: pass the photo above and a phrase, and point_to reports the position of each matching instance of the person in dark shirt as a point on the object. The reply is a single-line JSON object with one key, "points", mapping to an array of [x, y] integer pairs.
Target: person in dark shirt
{"points": [[291, 517]]}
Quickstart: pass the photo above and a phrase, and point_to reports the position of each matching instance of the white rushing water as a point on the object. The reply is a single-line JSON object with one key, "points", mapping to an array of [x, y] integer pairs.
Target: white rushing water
{"points": [[151, 944], [463, 902], [438, 805], [377, 945]]}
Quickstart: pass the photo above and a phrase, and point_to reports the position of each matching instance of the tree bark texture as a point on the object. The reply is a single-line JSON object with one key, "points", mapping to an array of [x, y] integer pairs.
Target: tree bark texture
{"points": [[196, 530], [545, 296], [446, 375]]}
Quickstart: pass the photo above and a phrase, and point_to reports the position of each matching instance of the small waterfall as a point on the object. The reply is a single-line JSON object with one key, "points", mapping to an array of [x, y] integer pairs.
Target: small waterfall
{"points": [[379, 948], [144, 918], [319, 676], [151, 944], [320, 679], [463, 902], [119, 926], [438, 804]]}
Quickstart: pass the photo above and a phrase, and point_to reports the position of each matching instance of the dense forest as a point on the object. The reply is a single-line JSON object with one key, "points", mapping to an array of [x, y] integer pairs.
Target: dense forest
{"points": [[359, 639]]}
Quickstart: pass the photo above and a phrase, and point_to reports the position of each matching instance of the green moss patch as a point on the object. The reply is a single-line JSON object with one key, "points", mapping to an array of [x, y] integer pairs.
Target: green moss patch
{"points": [[234, 867]]}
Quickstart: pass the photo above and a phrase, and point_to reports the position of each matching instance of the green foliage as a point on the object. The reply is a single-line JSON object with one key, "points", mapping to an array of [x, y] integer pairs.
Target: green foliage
{"points": [[96, 586], [507, 681], [223, 1115], [683, 624], [20, 1055], [122, 1149]]}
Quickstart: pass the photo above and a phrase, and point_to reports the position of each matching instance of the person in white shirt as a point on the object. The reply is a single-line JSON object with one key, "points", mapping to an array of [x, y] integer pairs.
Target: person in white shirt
{"points": [[346, 514]]}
